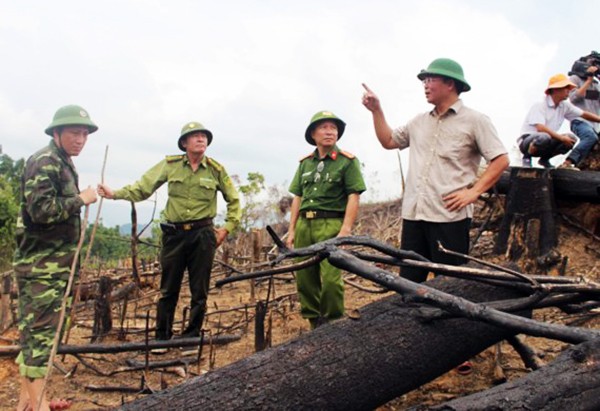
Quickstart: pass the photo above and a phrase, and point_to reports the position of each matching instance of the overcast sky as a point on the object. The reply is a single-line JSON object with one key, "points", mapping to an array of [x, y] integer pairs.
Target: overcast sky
{"points": [[254, 72]]}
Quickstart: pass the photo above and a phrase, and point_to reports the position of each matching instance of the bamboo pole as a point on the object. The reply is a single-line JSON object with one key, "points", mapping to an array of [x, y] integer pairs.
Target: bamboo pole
{"points": [[73, 311]]}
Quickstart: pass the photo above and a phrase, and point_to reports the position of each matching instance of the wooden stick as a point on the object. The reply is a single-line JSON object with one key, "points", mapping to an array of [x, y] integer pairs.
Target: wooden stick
{"points": [[87, 256]]}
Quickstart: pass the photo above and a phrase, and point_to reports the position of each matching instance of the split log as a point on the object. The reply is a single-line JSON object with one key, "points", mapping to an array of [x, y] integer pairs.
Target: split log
{"points": [[347, 364], [13, 350], [572, 381]]}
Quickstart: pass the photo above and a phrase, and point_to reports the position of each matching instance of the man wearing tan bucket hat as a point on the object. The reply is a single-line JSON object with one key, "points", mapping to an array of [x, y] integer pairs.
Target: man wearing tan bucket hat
{"points": [[540, 135]]}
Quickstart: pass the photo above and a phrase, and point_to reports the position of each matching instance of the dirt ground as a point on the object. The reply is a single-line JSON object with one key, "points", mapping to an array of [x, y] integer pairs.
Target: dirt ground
{"points": [[231, 311]]}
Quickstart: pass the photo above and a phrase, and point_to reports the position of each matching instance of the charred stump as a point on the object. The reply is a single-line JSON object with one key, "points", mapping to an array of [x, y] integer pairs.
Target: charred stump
{"points": [[528, 232], [346, 364], [102, 312]]}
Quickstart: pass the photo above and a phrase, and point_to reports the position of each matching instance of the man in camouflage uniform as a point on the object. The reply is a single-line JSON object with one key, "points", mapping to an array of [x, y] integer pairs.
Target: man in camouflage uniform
{"points": [[189, 237], [326, 188], [48, 229]]}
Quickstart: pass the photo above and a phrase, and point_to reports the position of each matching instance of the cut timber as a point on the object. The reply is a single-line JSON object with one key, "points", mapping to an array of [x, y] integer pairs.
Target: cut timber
{"points": [[346, 364], [570, 382], [528, 229]]}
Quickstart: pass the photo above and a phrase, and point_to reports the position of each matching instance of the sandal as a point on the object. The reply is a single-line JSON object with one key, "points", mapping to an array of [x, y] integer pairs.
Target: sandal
{"points": [[465, 368], [59, 404]]}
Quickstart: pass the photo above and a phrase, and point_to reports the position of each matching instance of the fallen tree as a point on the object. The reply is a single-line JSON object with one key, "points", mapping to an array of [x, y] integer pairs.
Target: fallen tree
{"points": [[397, 345], [348, 364], [572, 381]]}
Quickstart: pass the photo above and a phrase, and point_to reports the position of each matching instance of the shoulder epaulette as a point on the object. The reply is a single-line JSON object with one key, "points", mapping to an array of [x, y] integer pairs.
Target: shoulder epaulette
{"points": [[347, 154], [307, 156], [214, 163], [174, 158]]}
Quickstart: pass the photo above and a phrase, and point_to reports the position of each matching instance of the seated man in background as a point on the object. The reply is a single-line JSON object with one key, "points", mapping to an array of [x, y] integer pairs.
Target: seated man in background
{"points": [[539, 133]]}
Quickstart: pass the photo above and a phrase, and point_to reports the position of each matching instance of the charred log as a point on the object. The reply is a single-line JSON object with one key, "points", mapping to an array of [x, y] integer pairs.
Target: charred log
{"points": [[320, 370], [572, 381], [581, 186], [13, 350]]}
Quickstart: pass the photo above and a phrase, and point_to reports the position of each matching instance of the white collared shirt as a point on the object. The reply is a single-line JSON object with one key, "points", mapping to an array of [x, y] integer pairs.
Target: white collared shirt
{"points": [[547, 113]]}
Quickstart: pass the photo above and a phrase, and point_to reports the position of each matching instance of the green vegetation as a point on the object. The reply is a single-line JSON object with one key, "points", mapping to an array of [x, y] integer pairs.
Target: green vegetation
{"points": [[260, 203], [261, 206], [10, 172]]}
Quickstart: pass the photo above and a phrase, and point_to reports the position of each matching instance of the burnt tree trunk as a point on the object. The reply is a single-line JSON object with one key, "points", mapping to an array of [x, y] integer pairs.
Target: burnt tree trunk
{"points": [[572, 381], [347, 364], [528, 232], [102, 312]]}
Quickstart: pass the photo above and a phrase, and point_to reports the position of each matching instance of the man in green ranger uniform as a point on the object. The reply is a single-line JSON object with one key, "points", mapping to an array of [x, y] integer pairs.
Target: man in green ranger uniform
{"points": [[189, 237], [48, 229], [326, 188]]}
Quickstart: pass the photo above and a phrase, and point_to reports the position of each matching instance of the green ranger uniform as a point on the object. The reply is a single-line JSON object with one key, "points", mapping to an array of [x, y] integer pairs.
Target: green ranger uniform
{"points": [[188, 237], [48, 229], [324, 185]]}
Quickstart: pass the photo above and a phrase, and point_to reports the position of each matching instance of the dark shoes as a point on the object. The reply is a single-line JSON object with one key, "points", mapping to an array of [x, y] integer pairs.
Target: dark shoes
{"points": [[188, 334], [545, 162], [526, 162], [317, 322]]}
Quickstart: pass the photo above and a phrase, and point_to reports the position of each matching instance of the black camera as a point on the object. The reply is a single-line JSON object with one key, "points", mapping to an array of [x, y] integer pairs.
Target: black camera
{"points": [[581, 66]]}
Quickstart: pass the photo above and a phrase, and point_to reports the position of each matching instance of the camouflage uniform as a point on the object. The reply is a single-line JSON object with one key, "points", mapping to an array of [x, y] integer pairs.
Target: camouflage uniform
{"points": [[48, 229]]}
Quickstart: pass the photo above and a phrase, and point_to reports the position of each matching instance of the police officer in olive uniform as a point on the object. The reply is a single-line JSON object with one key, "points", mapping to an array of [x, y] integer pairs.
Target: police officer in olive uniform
{"points": [[189, 237], [326, 188], [48, 229]]}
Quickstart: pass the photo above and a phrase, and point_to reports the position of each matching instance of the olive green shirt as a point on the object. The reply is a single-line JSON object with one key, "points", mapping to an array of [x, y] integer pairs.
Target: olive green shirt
{"points": [[324, 184], [192, 194]]}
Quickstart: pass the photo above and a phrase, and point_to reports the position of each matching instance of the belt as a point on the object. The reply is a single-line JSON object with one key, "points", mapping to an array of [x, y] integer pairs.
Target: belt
{"points": [[189, 225], [312, 214]]}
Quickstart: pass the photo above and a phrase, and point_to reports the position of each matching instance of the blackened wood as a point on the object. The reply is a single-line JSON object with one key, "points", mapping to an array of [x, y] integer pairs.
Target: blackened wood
{"points": [[259, 326], [528, 228], [346, 364], [571, 382], [582, 186], [13, 350], [102, 312]]}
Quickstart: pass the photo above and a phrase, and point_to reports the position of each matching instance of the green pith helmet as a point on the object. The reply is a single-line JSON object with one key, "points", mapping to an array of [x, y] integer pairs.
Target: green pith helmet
{"points": [[320, 116], [447, 68], [191, 127], [71, 115]]}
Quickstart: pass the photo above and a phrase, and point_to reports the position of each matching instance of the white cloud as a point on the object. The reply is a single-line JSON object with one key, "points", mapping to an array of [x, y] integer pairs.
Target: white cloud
{"points": [[254, 73]]}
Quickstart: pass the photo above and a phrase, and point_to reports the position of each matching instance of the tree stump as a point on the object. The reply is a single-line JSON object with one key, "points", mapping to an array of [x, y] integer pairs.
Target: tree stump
{"points": [[528, 232], [102, 311]]}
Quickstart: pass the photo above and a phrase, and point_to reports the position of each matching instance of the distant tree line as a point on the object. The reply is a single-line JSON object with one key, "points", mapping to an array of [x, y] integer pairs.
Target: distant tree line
{"points": [[261, 206]]}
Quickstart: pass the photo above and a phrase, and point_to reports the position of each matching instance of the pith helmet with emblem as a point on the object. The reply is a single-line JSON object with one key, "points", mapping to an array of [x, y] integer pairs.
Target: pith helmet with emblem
{"points": [[71, 115], [192, 127], [322, 116]]}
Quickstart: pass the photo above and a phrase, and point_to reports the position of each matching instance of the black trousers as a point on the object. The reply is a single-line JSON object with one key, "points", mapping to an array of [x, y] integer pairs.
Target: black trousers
{"points": [[194, 250], [422, 237]]}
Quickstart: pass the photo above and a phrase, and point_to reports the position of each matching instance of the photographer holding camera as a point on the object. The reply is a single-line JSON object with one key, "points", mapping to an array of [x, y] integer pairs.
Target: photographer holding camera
{"points": [[586, 96]]}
